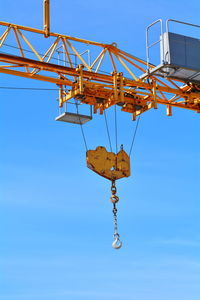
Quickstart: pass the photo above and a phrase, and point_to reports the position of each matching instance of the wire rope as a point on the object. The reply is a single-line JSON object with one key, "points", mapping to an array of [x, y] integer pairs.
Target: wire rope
{"points": [[54, 58], [109, 139], [85, 143], [81, 126], [40, 89], [134, 135], [116, 140], [26, 88], [41, 54]]}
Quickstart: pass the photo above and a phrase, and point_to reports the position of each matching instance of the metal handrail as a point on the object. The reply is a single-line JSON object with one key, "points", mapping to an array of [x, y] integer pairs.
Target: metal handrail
{"points": [[147, 39], [181, 22]]}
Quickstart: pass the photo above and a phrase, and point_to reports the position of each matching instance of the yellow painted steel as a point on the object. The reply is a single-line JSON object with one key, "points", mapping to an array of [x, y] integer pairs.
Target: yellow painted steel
{"points": [[86, 82], [46, 18], [108, 164], [89, 85]]}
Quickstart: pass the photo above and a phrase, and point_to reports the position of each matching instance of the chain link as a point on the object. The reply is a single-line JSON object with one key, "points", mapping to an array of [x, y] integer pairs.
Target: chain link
{"points": [[114, 199], [115, 219]]}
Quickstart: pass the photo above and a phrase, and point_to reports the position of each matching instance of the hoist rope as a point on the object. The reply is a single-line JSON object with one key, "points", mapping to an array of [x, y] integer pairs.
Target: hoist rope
{"points": [[41, 89], [53, 57], [134, 135], [116, 129], [81, 125], [107, 130], [27, 88]]}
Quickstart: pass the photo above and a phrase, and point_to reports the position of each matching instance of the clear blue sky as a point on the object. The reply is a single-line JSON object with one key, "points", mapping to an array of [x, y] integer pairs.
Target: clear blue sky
{"points": [[56, 220]]}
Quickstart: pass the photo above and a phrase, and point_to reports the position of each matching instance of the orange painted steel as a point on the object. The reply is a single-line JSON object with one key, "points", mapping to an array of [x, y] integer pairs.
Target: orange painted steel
{"points": [[85, 80]]}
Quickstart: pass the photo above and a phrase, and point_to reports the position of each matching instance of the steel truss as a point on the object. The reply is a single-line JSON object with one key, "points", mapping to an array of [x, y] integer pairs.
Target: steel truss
{"points": [[85, 81]]}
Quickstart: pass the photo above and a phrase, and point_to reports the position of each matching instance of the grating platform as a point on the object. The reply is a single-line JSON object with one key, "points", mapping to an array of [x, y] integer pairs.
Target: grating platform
{"points": [[73, 118], [179, 54], [174, 72]]}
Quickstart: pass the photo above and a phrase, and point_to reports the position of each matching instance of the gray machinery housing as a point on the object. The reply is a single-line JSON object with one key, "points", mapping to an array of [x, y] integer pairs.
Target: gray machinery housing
{"points": [[182, 55], [179, 55]]}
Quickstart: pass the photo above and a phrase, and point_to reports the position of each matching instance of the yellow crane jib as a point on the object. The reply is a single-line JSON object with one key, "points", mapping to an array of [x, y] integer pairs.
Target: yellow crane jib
{"points": [[133, 84], [108, 164]]}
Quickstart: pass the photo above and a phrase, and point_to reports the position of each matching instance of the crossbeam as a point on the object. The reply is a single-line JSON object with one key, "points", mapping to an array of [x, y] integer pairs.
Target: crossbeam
{"points": [[86, 81]]}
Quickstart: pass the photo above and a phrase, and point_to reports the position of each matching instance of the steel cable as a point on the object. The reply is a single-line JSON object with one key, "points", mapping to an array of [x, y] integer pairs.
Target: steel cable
{"points": [[116, 140], [134, 135], [107, 130], [81, 125]]}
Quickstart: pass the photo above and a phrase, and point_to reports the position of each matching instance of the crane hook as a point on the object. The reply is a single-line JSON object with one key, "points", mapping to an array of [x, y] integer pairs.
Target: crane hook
{"points": [[117, 243]]}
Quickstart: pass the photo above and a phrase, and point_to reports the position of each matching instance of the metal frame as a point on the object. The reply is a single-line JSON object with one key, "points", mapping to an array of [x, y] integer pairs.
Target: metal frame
{"points": [[136, 94], [161, 39], [180, 22], [155, 43]]}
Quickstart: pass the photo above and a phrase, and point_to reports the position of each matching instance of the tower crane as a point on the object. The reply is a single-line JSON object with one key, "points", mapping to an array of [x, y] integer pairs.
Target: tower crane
{"points": [[133, 84]]}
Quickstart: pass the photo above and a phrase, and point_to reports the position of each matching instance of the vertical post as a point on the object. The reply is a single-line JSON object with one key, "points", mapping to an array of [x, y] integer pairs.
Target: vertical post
{"points": [[169, 110], [46, 18], [134, 116], [154, 95], [114, 74], [79, 69], [121, 85], [60, 95]]}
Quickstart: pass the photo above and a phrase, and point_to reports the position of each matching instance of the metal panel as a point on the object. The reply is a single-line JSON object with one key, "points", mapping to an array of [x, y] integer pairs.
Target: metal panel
{"points": [[180, 57], [73, 118], [182, 51]]}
